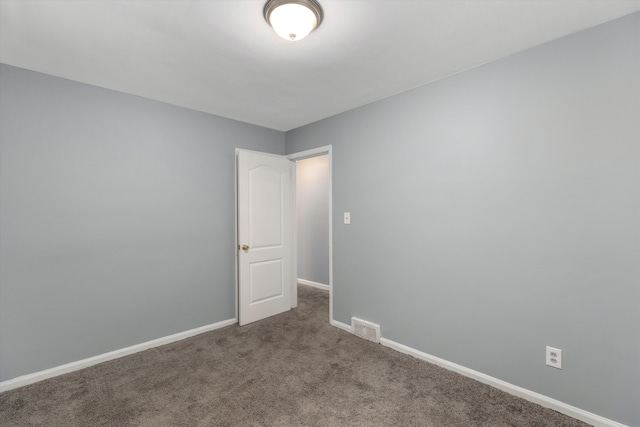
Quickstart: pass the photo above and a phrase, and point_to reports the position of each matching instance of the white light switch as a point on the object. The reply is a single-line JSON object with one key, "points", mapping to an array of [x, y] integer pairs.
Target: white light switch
{"points": [[347, 217]]}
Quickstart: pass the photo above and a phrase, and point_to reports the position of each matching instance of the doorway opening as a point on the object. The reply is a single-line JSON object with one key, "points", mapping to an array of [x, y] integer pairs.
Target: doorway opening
{"points": [[266, 233], [312, 204]]}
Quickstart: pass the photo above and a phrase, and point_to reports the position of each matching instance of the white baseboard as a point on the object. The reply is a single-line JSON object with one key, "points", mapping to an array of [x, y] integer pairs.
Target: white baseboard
{"points": [[314, 284], [532, 396], [341, 325], [85, 363]]}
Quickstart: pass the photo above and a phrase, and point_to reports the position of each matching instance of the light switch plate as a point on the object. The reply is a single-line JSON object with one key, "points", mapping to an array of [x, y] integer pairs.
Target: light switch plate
{"points": [[347, 218]]}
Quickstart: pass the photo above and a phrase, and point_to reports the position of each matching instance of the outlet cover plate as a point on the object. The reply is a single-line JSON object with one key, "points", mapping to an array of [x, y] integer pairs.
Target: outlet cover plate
{"points": [[554, 357]]}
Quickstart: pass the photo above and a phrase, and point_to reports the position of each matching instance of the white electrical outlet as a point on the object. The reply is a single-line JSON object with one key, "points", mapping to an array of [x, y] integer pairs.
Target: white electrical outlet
{"points": [[554, 357]]}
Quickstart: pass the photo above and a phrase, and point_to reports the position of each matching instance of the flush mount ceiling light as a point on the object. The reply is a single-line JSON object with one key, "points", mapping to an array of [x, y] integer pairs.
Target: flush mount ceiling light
{"points": [[293, 19]]}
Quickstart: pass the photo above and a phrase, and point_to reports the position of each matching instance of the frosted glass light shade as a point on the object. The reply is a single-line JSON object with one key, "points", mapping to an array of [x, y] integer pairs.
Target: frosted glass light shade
{"points": [[293, 19]]}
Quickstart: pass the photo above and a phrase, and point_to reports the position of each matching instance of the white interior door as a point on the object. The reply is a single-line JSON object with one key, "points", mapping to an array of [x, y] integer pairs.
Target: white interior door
{"points": [[265, 240]]}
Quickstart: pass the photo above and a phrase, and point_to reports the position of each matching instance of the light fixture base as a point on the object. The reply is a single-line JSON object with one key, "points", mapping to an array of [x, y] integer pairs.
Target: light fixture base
{"points": [[312, 5]]}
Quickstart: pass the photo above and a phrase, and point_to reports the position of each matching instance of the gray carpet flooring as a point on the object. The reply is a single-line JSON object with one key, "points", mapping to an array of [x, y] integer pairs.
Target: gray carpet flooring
{"points": [[293, 369]]}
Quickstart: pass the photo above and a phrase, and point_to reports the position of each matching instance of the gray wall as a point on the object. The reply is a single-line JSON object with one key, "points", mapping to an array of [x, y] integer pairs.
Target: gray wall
{"points": [[116, 220], [312, 205], [497, 211]]}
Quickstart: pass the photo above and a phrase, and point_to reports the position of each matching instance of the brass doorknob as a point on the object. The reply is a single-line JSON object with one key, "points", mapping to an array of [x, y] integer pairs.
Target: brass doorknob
{"points": [[245, 247]]}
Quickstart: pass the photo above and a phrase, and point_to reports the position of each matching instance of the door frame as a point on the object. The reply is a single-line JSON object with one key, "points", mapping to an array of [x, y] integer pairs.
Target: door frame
{"points": [[294, 157], [314, 152]]}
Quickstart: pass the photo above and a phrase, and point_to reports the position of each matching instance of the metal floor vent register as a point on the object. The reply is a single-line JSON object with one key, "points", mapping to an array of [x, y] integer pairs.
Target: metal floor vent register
{"points": [[367, 330]]}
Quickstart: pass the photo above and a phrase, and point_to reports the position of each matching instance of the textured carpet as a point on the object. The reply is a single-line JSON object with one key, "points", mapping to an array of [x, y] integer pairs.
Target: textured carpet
{"points": [[293, 369]]}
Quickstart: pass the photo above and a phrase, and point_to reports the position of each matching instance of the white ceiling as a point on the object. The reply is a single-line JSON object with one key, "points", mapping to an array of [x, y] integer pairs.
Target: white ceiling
{"points": [[220, 56]]}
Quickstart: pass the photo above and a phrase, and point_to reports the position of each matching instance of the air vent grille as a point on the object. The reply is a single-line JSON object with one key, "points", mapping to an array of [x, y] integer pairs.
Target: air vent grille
{"points": [[367, 330]]}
